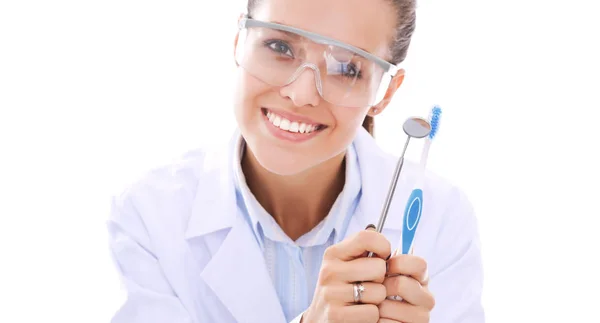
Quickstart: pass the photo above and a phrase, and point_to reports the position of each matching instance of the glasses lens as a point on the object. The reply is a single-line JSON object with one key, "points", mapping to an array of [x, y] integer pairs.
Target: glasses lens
{"points": [[278, 57], [349, 79]]}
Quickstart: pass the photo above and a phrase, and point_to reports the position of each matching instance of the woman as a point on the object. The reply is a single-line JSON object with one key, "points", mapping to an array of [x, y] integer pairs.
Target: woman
{"points": [[276, 226]]}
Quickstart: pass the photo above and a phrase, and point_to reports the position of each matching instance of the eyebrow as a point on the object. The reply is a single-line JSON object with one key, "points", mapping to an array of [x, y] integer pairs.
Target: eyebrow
{"points": [[288, 34], [294, 35]]}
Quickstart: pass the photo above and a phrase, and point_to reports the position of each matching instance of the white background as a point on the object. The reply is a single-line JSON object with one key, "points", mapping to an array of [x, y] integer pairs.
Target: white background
{"points": [[93, 93]]}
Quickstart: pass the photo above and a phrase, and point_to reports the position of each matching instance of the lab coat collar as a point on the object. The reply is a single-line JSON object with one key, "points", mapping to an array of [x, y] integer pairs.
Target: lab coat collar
{"points": [[239, 277], [235, 273]]}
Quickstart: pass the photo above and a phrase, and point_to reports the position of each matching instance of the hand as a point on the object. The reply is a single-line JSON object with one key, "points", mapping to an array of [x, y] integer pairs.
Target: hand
{"points": [[343, 264], [407, 278]]}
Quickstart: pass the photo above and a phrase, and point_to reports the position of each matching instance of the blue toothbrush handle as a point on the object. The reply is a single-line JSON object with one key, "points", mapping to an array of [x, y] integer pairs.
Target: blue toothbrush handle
{"points": [[412, 216]]}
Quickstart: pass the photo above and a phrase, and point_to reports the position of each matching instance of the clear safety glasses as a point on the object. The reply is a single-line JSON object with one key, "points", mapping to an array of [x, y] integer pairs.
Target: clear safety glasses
{"points": [[344, 75]]}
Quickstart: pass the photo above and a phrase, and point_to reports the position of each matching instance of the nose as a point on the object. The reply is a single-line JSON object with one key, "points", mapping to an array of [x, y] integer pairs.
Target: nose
{"points": [[304, 89]]}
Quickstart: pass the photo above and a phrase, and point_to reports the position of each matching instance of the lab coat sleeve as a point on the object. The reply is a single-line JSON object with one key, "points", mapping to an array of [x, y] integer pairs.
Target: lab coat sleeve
{"points": [[150, 299], [458, 278]]}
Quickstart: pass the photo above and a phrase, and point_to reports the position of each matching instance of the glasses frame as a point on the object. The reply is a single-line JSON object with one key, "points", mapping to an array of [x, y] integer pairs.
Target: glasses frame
{"points": [[388, 67]]}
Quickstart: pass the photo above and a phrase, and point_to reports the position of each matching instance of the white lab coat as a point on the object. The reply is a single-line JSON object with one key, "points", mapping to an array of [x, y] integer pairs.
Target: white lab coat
{"points": [[185, 253]]}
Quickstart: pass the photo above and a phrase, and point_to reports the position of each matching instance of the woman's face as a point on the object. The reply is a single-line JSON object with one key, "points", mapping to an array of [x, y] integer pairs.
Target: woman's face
{"points": [[328, 128]]}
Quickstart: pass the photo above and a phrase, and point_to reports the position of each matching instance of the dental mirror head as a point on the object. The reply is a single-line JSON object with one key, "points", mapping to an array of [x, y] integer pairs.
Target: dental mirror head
{"points": [[417, 127]]}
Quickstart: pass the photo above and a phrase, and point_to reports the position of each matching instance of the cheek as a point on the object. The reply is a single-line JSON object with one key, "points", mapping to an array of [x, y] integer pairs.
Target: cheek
{"points": [[348, 119], [247, 90], [347, 122]]}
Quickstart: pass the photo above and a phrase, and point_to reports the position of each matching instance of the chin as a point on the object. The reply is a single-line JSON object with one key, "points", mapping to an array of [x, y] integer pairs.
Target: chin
{"points": [[281, 162]]}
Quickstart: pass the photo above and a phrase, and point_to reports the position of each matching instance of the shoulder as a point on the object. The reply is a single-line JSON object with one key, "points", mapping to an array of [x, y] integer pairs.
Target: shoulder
{"points": [[442, 191], [445, 201], [178, 175], [451, 226], [447, 210], [447, 204], [162, 197], [448, 233]]}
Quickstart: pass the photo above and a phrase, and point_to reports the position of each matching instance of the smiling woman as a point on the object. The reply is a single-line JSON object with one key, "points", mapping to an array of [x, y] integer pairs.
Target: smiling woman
{"points": [[276, 226]]}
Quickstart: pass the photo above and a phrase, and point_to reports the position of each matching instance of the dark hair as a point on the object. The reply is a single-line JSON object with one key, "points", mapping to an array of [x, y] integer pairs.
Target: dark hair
{"points": [[405, 27]]}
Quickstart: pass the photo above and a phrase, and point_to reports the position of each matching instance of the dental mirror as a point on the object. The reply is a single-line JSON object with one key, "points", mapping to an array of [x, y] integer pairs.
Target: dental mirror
{"points": [[417, 127], [414, 128]]}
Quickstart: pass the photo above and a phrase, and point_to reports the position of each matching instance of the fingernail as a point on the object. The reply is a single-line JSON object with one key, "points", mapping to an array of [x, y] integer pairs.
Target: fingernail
{"points": [[370, 226]]}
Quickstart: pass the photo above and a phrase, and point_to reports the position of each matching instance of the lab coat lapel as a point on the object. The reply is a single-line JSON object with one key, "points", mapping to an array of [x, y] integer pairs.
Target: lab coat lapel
{"points": [[239, 277], [236, 272]]}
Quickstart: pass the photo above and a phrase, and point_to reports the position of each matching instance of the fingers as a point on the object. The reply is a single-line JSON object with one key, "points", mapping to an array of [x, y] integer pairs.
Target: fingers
{"points": [[408, 265], [364, 270], [373, 293], [363, 241], [362, 313], [383, 320], [394, 311], [361, 269], [410, 291]]}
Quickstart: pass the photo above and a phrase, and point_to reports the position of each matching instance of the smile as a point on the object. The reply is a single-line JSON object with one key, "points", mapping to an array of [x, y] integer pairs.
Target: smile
{"points": [[293, 126]]}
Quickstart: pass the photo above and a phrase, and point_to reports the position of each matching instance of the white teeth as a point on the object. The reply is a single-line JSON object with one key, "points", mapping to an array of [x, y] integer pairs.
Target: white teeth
{"points": [[302, 127], [285, 124], [288, 125]]}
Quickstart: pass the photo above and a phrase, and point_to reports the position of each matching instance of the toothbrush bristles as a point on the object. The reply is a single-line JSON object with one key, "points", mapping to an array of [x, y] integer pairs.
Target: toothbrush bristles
{"points": [[434, 120]]}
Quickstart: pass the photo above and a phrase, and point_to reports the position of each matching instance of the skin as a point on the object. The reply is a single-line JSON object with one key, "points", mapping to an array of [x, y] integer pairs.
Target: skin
{"points": [[297, 183]]}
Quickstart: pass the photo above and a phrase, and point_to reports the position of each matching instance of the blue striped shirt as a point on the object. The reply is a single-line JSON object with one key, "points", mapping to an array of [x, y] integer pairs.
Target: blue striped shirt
{"points": [[294, 265]]}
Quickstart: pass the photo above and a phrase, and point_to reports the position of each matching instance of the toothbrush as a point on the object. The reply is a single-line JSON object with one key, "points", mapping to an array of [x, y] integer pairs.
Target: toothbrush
{"points": [[414, 205]]}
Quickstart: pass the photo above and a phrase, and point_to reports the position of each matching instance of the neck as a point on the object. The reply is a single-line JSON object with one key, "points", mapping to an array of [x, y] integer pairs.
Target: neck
{"points": [[298, 202]]}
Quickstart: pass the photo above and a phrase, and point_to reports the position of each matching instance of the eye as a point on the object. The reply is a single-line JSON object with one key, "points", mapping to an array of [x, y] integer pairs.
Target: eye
{"points": [[350, 70], [279, 47]]}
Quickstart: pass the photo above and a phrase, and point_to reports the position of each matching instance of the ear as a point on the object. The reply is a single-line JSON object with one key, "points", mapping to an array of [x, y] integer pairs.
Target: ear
{"points": [[235, 41], [389, 94], [237, 36]]}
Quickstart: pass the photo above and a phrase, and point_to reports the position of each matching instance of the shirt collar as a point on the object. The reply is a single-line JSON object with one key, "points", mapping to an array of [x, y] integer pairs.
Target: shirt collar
{"points": [[333, 226]]}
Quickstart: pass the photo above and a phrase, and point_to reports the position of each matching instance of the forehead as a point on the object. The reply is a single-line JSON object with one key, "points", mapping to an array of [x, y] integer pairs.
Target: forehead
{"points": [[366, 24]]}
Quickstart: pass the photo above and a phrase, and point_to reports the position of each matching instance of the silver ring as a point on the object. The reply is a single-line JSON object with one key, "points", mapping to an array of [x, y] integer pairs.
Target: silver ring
{"points": [[358, 290]]}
